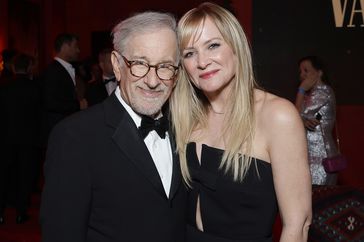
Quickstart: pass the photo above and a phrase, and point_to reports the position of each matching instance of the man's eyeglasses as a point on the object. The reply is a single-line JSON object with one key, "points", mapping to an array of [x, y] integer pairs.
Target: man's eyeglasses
{"points": [[140, 69]]}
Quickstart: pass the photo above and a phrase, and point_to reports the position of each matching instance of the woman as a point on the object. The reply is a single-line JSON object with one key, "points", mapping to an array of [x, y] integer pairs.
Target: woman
{"points": [[316, 103], [241, 149]]}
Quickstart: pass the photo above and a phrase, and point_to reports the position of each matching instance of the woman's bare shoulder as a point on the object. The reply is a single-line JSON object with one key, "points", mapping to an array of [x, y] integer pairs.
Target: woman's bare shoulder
{"points": [[274, 110]]}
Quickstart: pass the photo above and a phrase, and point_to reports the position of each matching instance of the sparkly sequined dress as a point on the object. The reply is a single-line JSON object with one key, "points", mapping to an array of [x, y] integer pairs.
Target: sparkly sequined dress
{"points": [[320, 99]]}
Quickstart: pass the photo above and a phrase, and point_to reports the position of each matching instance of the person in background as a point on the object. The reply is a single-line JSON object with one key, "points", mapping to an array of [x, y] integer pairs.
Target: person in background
{"points": [[111, 172], [20, 102], [60, 97], [242, 150], [108, 75], [6, 74], [97, 90], [316, 103]]}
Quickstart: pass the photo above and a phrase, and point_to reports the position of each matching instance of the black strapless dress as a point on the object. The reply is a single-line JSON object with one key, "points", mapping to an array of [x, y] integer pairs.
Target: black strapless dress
{"points": [[230, 211]]}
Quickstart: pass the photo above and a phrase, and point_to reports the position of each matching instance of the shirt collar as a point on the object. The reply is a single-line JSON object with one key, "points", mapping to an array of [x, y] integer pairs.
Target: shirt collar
{"points": [[63, 62]]}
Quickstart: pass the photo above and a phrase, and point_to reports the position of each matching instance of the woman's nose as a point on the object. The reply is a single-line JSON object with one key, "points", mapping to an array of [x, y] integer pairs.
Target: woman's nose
{"points": [[203, 61]]}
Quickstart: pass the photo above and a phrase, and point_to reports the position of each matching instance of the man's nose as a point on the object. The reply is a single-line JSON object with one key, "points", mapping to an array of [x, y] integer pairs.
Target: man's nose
{"points": [[152, 79]]}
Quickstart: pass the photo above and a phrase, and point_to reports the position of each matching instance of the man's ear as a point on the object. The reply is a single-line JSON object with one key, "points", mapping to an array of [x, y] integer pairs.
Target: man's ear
{"points": [[115, 57], [65, 47], [102, 66], [175, 79]]}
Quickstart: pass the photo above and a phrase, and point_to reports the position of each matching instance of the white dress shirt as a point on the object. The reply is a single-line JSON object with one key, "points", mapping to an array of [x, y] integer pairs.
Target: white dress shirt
{"points": [[69, 68], [160, 149]]}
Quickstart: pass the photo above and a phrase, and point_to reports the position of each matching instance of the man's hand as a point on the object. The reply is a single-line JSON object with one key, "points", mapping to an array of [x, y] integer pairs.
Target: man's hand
{"points": [[83, 104]]}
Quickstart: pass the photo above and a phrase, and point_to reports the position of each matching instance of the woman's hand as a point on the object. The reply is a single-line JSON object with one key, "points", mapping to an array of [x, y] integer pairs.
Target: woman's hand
{"points": [[308, 83], [311, 124]]}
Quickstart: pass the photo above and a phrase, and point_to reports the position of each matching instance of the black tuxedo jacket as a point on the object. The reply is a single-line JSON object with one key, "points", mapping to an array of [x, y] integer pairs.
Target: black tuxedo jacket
{"points": [[101, 184], [20, 105], [95, 93], [59, 95]]}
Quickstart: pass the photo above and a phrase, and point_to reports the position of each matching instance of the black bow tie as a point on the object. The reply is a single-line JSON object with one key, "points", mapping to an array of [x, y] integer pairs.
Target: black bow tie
{"points": [[106, 81], [148, 124]]}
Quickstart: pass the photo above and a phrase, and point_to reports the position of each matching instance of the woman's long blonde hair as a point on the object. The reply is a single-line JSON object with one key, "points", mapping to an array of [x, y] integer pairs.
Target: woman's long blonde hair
{"points": [[189, 107]]}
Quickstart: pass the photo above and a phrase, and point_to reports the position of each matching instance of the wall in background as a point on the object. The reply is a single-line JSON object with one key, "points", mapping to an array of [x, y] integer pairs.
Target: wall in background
{"points": [[84, 18], [286, 31]]}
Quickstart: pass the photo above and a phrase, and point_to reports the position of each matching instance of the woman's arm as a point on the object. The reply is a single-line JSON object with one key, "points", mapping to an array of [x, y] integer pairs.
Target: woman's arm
{"points": [[306, 85], [299, 98], [287, 148]]}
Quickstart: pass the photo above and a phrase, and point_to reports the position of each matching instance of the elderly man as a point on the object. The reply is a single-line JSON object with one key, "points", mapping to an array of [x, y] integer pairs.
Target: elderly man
{"points": [[111, 173]]}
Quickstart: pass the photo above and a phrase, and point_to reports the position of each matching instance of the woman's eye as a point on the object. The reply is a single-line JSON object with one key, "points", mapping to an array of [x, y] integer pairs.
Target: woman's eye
{"points": [[214, 45]]}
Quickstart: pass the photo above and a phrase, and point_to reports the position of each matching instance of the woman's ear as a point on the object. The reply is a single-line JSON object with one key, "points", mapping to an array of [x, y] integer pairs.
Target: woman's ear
{"points": [[115, 57]]}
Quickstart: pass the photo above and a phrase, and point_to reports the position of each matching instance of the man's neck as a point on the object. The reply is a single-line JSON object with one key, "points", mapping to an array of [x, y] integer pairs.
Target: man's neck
{"points": [[62, 57]]}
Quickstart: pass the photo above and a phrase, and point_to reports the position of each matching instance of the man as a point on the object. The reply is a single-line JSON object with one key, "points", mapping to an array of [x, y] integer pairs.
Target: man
{"points": [[96, 90], [6, 74], [59, 83], [20, 105], [106, 177], [108, 75]]}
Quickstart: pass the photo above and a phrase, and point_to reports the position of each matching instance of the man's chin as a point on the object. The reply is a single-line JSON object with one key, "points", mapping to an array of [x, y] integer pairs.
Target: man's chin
{"points": [[148, 110]]}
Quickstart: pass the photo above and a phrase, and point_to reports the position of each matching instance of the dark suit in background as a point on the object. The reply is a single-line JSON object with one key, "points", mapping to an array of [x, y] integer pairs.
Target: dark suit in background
{"points": [[7, 74], [99, 89], [19, 139], [95, 92], [59, 96]]}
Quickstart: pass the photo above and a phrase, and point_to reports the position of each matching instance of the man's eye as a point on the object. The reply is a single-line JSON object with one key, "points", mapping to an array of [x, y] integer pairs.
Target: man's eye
{"points": [[165, 65], [187, 54], [137, 62]]}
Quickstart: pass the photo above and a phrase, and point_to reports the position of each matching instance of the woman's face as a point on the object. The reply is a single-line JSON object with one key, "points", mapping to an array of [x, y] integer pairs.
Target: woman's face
{"points": [[306, 70], [209, 60]]}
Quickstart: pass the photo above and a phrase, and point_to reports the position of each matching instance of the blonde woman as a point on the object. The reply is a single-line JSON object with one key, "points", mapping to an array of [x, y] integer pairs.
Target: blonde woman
{"points": [[242, 151]]}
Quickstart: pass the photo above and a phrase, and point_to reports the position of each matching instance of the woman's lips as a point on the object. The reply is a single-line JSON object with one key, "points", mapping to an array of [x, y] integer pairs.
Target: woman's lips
{"points": [[209, 74]]}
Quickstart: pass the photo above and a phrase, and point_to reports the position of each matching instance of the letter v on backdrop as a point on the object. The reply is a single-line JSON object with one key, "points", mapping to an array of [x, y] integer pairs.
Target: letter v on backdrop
{"points": [[341, 9]]}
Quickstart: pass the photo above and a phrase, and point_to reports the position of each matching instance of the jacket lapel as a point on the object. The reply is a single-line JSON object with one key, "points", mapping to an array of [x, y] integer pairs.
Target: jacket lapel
{"points": [[127, 138], [176, 173]]}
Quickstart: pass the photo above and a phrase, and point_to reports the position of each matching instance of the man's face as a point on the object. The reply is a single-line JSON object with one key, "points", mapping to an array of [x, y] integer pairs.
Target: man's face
{"points": [[72, 50], [146, 95]]}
